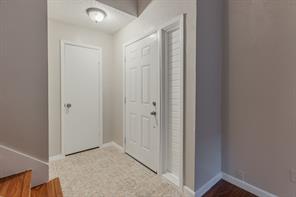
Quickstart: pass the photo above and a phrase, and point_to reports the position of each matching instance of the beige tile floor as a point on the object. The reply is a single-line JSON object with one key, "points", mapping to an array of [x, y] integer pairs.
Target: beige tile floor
{"points": [[107, 172]]}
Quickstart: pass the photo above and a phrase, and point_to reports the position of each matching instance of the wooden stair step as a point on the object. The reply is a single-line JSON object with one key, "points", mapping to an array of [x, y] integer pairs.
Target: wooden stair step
{"points": [[18, 185], [50, 189]]}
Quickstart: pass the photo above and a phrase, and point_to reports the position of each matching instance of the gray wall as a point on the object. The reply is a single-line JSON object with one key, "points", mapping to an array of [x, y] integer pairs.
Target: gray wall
{"points": [[23, 77], [209, 62], [259, 94]]}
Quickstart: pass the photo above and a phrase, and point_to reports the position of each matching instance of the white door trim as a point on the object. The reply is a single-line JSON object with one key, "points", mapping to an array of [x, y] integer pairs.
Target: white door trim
{"points": [[63, 43], [179, 22]]}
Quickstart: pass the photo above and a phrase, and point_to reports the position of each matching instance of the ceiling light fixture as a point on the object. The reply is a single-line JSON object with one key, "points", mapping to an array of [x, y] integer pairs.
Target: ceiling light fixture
{"points": [[96, 14]]}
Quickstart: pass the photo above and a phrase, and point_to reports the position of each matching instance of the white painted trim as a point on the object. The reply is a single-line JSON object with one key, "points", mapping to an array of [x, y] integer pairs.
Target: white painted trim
{"points": [[157, 108], [176, 23], [235, 181], [101, 131], [13, 162], [162, 157], [154, 30], [101, 96], [188, 192], [124, 97], [172, 178], [81, 45], [22, 154], [108, 144], [62, 94], [117, 146], [140, 37], [113, 144], [246, 186], [56, 157], [168, 24], [206, 187], [182, 74]]}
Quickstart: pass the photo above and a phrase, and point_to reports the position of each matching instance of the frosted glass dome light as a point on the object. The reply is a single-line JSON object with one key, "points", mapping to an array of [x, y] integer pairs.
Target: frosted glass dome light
{"points": [[95, 14]]}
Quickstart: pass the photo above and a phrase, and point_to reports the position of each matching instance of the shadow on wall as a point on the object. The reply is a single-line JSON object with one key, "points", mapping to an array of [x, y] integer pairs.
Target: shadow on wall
{"points": [[132, 7], [225, 87], [142, 4], [210, 56]]}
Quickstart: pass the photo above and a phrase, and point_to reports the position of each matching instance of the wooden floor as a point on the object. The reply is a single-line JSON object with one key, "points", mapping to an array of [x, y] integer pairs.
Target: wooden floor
{"points": [[50, 189], [18, 185], [225, 189]]}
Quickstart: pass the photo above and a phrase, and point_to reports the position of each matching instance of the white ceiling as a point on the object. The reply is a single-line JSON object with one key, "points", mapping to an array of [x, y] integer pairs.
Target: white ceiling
{"points": [[74, 12]]}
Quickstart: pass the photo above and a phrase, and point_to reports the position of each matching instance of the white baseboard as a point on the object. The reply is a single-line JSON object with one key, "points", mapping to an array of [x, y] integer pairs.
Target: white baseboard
{"points": [[13, 162], [188, 192], [108, 144], [172, 178], [246, 186], [114, 144], [206, 187], [235, 181], [57, 157]]}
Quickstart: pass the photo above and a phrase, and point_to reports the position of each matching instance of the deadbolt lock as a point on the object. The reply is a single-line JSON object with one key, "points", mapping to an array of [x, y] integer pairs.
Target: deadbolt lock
{"points": [[153, 113]]}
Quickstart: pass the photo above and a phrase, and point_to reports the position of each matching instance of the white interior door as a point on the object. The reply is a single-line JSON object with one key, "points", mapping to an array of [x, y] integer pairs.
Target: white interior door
{"points": [[80, 98], [141, 112]]}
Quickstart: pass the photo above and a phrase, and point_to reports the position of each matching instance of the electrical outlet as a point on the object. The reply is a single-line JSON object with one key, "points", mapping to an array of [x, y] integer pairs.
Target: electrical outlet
{"points": [[241, 175], [293, 175]]}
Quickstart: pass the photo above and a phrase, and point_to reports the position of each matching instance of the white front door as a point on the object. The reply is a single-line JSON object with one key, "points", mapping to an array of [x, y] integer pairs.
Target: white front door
{"points": [[141, 112], [81, 98]]}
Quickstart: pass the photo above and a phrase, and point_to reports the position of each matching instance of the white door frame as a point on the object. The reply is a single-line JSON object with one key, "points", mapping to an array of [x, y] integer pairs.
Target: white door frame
{"points": [[179, 22], [100, 85], [175, 23]]}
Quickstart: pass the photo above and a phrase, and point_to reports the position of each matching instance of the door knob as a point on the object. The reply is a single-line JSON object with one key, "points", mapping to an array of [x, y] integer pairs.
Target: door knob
{"points": [[68, 105], [153, 113]]}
